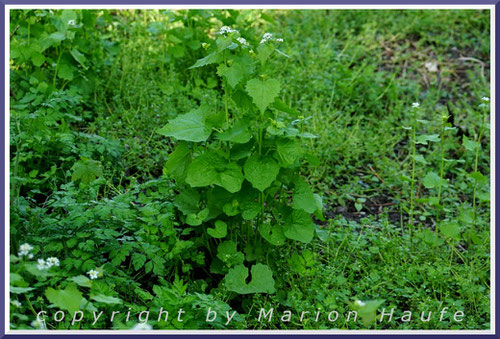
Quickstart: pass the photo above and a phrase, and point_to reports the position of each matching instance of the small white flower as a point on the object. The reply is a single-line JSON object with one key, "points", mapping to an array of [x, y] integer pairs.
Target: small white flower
{"points": [[24, 249], [415, 105], [52, 261], [142, 327], [360, 303], [266, 37], [269, 37], [485, 99], [38, 324], [30, 256], [93, 274], [71, 23], [42, 265], [242, 41], [16, 303], [226, 30]]}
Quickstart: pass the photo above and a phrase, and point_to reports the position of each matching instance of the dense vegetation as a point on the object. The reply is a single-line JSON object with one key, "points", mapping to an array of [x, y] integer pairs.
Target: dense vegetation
{"points": [[233, 161]]}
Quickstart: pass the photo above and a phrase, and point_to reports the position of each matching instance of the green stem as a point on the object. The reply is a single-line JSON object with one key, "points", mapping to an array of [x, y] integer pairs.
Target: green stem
{"points": [[476, 162], [57, 69], [226, 103], [441, 172], [412, 189]]}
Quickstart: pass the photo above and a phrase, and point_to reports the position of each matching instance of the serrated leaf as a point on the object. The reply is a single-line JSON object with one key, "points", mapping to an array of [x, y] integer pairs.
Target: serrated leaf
{"points": [[212, 169], [264, 52], [209, 59], [281, 106], [138, 260], [299, 226], [68, 299], [478, 176], [187, 201], [231, 208], [81, 280], [38, 59], [204, 170], [65, 71], [178, 162], [239, 70], [261, 171], [57, 37], [262, 280], [470, 145], [238, 133], [223, 42], [20, 290], [263, 92], [79, 57], [450, 229], [273, 234], [231, 178], [431, 180], [189, 127], [219, 231], [318, 213], [106, 299], [288, 151], [423, 139], [303, 197], [86, 170], [250, 210], [227, 252], [420, 158], [196, 219]]}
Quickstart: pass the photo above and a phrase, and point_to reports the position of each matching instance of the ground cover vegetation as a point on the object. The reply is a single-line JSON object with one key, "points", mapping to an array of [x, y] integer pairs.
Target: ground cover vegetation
{"points": [[230, 161]]}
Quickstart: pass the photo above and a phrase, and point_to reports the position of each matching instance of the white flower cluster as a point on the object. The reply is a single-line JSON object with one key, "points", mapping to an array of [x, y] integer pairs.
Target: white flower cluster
{"points": [[415, 105], [46, 264], [24, 250], [226, 30], [242, 41], [485, 99], [93, 274], [269, 37]]}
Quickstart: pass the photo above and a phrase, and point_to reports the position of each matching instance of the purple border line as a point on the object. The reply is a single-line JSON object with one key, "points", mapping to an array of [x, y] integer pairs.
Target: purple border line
{"points": [[250, 2], [206, 2], [2, 171]]}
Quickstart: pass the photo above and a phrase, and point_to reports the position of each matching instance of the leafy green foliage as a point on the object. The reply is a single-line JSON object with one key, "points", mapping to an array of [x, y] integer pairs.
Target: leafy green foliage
{"points": [[211, 168], [249, 133], [261, 171], [219, 231], [68, 299], [263, 92], [86, 170], [91, 88], [262, 280], [190, 127]]}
